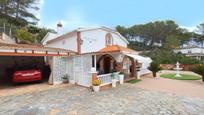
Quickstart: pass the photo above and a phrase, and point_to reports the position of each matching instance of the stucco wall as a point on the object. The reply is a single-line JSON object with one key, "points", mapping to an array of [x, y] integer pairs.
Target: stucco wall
{"points": [[68, 42], [94, 40], [48, 37]]}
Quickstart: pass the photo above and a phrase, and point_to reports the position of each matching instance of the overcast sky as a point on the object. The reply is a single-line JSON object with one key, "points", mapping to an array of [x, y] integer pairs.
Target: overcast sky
{"points": [[80, 13]]}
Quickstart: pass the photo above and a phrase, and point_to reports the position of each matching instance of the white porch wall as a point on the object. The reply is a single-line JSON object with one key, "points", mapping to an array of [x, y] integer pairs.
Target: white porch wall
{"points": [[79, 68]]}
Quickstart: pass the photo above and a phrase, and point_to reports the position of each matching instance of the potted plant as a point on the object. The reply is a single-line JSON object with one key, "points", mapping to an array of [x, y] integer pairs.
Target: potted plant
{"points": [[154, 67], [199, 69], [96, 85], [71, 81], [65, 78], [114, 81], [121, 77]]}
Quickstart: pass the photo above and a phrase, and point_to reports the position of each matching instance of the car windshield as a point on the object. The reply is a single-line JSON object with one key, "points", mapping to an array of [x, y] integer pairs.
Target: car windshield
{"points": [[19, 68]]}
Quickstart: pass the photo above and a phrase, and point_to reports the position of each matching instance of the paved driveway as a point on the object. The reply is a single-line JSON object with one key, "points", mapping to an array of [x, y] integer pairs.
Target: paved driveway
{"points": [[26, 88], [189, 88], [125, 99]]}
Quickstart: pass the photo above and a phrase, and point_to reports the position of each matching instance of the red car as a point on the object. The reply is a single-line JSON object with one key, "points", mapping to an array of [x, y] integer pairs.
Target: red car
{"points": [[26, 75]]}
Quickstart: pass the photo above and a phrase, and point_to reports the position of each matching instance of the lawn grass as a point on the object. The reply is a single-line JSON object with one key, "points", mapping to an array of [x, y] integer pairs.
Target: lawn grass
{"points": [[132, 81], [183, 77]]}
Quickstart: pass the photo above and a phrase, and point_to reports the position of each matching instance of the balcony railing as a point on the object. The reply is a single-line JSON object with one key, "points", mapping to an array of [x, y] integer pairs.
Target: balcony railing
{"points": [[106, 78]]}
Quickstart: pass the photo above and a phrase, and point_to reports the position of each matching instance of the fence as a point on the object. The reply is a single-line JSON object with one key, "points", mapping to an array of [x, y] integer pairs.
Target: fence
{"points": [[106, 78], [171, 66]]}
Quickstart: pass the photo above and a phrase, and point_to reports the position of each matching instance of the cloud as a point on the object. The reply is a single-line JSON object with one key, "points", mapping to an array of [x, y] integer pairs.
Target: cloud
{"points": [[38, 13], [74, 18], [189, 28]]}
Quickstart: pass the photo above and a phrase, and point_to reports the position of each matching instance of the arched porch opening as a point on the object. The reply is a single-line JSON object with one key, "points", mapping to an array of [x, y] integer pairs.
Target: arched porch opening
{"points": [[106, 64], [128, 67]]}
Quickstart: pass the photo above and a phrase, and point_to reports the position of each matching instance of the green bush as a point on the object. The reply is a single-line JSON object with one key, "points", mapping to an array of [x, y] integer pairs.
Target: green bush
{"points": [[154, 67], [24, 36], [199, 69]]}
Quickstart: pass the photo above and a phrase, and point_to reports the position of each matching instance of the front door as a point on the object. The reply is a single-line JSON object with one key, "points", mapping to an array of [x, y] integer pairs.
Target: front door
{"points": [[107, 64]]}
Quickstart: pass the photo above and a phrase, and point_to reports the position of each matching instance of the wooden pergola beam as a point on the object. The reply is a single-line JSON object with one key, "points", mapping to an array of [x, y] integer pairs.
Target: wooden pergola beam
{"points": [[29, 54]]}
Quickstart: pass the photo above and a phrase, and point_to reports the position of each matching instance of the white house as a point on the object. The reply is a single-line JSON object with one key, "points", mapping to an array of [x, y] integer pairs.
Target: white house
{"points": [[194, 52], [6, 39], [101, 49]]}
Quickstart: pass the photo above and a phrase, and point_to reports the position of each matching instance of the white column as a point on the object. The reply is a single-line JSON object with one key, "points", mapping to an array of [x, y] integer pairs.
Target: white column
{"points": [[51, 62], [95, 61]]}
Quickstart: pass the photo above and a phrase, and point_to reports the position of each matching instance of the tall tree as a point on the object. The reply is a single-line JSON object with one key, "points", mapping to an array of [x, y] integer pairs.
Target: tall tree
{"points": [[19, 12], [172, 42], [201, 28], [15, 14], [153, 32], [39, 32], [122, 30]]}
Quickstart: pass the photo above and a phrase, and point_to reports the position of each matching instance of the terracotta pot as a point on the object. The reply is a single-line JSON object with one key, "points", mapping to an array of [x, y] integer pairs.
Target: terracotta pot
{"points": [[154, 74], [71, 81], [121, 78], [65, 80], [114, 81]]}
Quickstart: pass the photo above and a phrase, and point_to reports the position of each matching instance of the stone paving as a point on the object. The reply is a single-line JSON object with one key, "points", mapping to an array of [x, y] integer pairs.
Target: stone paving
{"points": [[75, 100]]}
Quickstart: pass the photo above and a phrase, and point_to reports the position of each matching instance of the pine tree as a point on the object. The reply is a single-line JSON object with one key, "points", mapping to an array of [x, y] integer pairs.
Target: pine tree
{"points": [[19, 12]]}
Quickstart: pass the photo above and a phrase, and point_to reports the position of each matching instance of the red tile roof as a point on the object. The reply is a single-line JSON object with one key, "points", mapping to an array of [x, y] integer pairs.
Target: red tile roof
{"points": [[115, 48]]}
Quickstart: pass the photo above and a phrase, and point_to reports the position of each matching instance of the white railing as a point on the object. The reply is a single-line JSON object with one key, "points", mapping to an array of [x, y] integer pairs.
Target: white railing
{"points": [[106, 78]]}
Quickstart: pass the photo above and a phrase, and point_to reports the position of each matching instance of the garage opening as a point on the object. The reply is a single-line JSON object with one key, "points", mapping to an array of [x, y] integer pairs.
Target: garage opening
{"points": [[44, 64], [10, 65]]}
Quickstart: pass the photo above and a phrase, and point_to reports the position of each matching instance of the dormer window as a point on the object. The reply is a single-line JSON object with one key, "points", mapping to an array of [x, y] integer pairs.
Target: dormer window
{"points": [[109, 39]]}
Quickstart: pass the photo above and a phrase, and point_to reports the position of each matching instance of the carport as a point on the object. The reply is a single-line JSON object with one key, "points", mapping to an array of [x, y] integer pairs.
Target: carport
{"points": [[56, 58]]}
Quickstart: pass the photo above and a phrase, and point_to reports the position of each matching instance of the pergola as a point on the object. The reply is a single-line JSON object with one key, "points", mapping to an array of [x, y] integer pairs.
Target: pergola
{"points": [[32, 50]]}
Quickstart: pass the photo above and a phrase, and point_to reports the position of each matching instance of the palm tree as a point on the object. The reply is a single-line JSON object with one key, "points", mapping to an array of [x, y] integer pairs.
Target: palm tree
{"points": [[199, 69], [154, 67]]}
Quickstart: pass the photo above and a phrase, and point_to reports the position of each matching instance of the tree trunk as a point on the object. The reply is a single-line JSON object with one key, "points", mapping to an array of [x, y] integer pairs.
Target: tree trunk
{"points": [[203, 77], [154, 74], [17, 9]]}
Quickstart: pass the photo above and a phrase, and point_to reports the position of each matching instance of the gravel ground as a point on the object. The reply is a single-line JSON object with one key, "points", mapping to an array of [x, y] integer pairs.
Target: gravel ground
{"points": [[76, 100]]}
